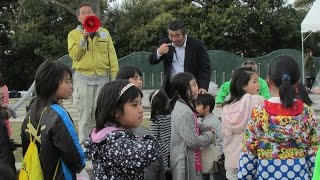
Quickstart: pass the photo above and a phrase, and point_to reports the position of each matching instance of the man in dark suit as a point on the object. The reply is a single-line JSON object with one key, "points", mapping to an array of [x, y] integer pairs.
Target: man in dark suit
{"points": [[181, 53]]}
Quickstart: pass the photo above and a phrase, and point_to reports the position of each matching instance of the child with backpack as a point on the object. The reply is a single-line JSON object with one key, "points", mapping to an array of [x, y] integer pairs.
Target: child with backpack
{"points": [[235, 114], [186, 139], [283, 134], [204, 105], [50, 127], [160, 126], [116, 153]]}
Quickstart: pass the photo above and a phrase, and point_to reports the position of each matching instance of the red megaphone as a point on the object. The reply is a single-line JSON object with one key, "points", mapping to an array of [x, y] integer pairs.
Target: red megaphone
{"points": [[91, 24]]}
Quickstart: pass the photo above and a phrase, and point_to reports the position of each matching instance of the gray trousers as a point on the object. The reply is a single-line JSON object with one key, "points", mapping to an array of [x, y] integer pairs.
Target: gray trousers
{"points": [[84, 99]]}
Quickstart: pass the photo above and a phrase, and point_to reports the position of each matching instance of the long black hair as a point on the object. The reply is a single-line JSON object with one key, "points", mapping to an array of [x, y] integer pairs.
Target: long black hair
{"points": [[181, 89], [47, 80], [303, 94], [284, 73], [159, 101]]}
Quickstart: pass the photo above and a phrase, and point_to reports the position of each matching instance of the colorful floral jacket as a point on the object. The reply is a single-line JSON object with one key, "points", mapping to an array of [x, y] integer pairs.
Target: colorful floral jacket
{"points": [[280, 143]]}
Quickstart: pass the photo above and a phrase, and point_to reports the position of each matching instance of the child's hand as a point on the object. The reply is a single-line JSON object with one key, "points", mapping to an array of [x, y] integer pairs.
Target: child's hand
{"points": [[4, 106], [9, 113]]}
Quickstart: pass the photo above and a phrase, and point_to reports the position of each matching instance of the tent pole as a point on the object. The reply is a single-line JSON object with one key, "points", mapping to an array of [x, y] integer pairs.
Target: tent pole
{"points": [[302, 58]]}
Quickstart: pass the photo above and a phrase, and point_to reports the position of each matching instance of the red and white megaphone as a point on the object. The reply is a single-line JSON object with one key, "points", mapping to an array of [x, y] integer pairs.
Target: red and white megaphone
{"points": [[91, 24]]}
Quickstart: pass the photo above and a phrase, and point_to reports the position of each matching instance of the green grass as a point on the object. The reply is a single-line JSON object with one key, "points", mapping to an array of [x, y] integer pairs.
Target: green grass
{"points": [[16, 131]]}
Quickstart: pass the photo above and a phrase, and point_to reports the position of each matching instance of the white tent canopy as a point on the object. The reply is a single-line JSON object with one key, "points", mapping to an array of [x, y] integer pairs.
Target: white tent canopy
{"points": [[311, 22], [309, 25]]}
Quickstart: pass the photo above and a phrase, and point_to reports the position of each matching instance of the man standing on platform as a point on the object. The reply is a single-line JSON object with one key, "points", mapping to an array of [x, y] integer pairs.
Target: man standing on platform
{"points": [[181, 53], [95, 62]]}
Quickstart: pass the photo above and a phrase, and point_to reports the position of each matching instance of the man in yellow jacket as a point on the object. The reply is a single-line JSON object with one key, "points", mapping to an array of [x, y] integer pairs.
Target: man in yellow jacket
{"points": [[95, 62]]}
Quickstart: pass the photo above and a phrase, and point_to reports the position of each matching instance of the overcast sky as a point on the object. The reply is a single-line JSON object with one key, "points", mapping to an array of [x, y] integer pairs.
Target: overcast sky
{"points": [[291, 1]]}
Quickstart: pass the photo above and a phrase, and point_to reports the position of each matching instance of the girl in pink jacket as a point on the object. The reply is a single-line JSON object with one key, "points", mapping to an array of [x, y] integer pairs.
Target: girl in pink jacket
{"points": [[236, 111], [5, 104]]}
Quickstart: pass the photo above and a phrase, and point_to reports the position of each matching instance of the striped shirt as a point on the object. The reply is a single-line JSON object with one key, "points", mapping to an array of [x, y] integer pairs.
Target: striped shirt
{"points": [[161, 130]]}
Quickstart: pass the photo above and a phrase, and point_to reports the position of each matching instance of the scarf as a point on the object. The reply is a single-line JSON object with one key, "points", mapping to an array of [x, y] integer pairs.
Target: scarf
{"points": [[197, 151]]}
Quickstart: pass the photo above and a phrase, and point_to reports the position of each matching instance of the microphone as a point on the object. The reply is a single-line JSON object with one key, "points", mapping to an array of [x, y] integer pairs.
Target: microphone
{"points": [[172, 49]]}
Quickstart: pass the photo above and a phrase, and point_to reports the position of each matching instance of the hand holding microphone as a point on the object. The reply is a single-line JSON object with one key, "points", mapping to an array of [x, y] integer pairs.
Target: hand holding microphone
{"points": [[164, 48], [85, 34]]}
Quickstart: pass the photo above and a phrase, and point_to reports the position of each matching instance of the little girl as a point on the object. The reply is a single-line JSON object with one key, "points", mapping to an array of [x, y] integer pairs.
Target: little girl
{"points": [[185, 157], [160, 126], [235, 114], [155, 171], [131, 73], [117, 153], [283, 133], [57, 139]]}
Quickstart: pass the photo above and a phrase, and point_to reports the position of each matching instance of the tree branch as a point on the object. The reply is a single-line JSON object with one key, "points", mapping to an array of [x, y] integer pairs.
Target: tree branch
{"points": [[63, 6]]}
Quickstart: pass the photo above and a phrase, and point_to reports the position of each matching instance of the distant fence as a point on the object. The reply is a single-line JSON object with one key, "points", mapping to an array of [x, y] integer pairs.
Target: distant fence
{"points": [[222, 64]]}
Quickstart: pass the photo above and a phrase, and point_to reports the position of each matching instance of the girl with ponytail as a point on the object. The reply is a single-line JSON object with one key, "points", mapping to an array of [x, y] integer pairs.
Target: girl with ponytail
{"points": [[282, 135]]}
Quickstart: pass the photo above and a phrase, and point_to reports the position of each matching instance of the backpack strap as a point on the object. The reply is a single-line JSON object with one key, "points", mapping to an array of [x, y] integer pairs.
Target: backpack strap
{"points": [[34, 139], [55, 171], [37, 130]]}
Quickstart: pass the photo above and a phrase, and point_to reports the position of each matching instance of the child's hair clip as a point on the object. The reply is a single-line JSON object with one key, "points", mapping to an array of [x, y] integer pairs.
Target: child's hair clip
{"points": [[125, 88], [154, 94]]}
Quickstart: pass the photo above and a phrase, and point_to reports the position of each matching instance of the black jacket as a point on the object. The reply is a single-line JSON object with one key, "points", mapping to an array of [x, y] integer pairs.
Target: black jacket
{"points": [[58, 141], [196, 62]]}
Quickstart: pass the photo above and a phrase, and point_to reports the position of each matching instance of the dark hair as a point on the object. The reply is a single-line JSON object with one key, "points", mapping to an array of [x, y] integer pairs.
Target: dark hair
{"points": [[284, 73], [28, 107], [81, 5], [177, 25], [303, 94], [109, 102], [127, 72], [159, 103], [206, 100], [181, 87], [249, 62], [309, 51], [47, 80], [240, 78]]}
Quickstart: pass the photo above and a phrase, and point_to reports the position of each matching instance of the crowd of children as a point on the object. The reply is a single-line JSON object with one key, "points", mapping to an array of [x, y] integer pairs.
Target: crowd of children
{"points": [[256, 138], [283, 133]]}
